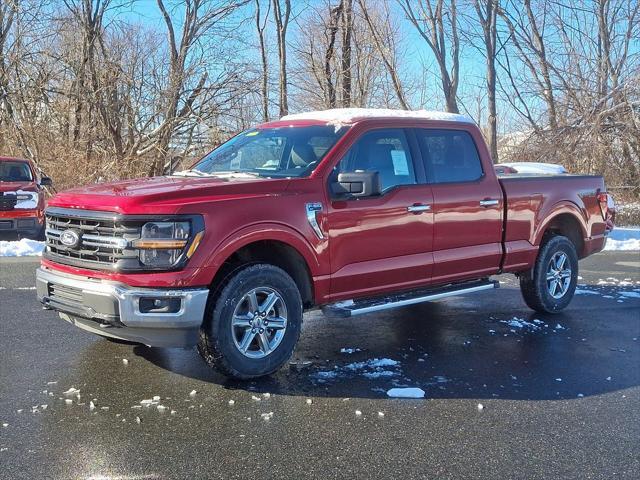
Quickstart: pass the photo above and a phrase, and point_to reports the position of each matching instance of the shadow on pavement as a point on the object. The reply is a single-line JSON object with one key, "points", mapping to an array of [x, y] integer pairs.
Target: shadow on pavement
{"points": [[460, 348]]}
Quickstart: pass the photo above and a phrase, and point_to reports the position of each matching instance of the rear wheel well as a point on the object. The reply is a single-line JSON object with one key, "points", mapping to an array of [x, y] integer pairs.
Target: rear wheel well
{"points": [[568, 226], [272, 252]]}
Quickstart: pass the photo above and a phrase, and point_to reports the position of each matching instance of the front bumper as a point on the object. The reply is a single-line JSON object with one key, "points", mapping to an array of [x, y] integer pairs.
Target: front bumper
{"points": [[113, 309], [22, 222]]}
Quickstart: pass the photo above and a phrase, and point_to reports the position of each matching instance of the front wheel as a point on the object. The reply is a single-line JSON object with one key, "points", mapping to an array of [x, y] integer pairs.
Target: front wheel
{"points": [[551, 285], [254, 323]]}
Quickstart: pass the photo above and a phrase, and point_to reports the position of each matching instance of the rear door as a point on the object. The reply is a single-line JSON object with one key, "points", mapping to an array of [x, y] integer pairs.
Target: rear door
{"points": [[467, 206], [382, 242]]}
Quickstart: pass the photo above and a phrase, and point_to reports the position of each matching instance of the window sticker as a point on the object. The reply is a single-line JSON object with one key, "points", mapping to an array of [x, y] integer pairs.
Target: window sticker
{"points": [[252, 134], [400, 165]]}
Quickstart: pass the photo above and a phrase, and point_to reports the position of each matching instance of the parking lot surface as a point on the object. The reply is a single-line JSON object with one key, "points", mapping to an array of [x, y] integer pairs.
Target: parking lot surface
{"points": [[509, 393]]}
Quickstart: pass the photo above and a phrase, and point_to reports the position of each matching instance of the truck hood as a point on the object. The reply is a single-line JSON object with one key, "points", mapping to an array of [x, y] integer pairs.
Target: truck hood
{"points": [[15, 186], [165, 194]]}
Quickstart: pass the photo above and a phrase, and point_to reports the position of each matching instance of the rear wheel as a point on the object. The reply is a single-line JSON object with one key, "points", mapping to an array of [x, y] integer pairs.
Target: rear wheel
{"points": [[253, 324], [551, 285]]}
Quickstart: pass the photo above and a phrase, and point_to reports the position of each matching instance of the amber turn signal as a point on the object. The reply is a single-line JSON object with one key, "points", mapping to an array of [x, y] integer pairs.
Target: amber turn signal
{"points": [[159, 244], [196, 241]]}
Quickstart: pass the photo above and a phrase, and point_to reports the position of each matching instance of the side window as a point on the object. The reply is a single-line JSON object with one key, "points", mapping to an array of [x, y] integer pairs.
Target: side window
{"points": [[449, 156], [384, 151]]}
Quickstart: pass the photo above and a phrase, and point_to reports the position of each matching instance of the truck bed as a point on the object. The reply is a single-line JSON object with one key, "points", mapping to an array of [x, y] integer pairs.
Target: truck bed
{"points": [[532, 201]]}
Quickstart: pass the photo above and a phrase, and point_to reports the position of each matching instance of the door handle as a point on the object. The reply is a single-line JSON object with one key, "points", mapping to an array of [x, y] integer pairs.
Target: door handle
{"points": [[489, 202], [418, 208]]}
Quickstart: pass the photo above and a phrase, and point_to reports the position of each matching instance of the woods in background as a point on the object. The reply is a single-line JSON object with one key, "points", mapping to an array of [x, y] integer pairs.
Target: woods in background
{"points": [[107, 89]]}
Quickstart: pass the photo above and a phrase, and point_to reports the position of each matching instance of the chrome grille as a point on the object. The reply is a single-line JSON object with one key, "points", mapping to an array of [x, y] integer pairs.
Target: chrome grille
{"points": [[104, 239]]}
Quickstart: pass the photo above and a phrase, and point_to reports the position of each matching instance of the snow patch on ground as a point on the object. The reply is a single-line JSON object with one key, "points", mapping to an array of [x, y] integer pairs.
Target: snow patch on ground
{"points": [[349, 350], [623, 238], [21, 248], [409, 392], [371, 369], [516, 322]]}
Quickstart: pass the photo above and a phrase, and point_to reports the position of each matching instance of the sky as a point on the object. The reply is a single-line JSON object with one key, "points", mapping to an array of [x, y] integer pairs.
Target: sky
{"points": [[417, 57]]}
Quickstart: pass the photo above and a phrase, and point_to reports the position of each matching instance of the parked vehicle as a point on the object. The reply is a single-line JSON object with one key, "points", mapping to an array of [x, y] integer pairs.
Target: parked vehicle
{"points": [[21, 198], [351, 210]]}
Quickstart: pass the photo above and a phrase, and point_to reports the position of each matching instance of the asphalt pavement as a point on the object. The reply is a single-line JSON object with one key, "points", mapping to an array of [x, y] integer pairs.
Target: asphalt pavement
{"points": [[559, 395]]}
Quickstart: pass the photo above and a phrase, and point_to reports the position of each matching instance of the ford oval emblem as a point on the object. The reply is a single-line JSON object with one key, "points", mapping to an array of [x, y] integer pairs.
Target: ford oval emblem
{"points": [[70, 238]]}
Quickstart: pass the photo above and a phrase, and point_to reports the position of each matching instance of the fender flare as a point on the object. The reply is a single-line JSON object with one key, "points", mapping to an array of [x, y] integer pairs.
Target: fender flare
{"points": [[556, 210], [261, 232]]}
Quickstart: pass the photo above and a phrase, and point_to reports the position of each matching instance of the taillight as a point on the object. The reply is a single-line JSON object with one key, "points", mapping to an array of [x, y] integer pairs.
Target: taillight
{"points": [[603, 201]]}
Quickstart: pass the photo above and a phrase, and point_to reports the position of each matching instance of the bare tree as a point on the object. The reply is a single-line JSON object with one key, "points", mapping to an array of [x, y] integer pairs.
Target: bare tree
{"points": [[281, 19], [383, 40], [332, 31], [261, 25], [347, 33], [437, 24], [487, 12]]}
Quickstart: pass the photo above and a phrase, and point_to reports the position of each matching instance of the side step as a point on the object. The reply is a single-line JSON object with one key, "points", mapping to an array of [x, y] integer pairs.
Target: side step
{"points": [[351, 308]]}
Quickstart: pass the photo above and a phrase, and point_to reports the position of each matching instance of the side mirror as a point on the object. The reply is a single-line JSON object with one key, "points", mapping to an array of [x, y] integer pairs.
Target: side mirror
{"points": [[357, 184], [46, 182]]}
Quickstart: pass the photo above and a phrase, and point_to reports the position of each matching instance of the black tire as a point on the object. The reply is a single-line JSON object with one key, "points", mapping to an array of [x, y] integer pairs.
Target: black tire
{"points": [[533, 285], [217, 345]]}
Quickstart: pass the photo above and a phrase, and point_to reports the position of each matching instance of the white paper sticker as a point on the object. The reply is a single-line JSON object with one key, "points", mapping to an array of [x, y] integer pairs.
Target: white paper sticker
{"points": [[400, 165]]}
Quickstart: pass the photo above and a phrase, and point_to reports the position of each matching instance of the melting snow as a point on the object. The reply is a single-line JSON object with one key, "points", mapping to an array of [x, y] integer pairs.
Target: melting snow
{"points": [[350, 350], [372, 369], [381, 373], [633, 294], [409, 392], [516, 322], [581, 291]]}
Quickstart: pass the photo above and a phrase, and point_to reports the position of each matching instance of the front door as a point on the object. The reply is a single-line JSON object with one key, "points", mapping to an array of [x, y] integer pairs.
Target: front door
{"points": [[381, 242]]}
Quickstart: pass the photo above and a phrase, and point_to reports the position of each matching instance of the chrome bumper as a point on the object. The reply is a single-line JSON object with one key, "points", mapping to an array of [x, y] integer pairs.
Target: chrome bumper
{"points": [[113, 309]]}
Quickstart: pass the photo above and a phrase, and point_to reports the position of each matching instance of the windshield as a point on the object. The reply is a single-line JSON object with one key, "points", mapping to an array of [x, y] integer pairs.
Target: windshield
{"points": [[271, 152], [15, 172]]}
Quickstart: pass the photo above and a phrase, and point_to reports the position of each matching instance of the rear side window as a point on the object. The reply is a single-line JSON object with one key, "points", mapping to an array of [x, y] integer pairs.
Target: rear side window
{"points": [[450, 156], [385, 151]]}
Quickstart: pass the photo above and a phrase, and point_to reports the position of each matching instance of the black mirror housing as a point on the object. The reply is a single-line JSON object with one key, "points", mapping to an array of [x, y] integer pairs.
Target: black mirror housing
{"points": [[46, 182], [357, 184]]}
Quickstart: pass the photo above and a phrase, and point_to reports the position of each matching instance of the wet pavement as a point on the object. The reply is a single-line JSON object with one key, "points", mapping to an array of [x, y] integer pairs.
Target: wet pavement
{"points": [[560, 394]]}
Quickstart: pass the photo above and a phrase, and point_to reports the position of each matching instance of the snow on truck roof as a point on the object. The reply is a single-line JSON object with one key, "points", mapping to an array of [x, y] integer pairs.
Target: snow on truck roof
{"points": [[345, 116]]}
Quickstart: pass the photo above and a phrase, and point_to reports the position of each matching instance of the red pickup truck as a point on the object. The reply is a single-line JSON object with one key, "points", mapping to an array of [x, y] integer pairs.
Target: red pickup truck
{"points": [[21, 197], [353, 210]]}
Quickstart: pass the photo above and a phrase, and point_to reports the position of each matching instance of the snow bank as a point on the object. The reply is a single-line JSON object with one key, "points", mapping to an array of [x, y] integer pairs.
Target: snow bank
{"points": [[22, 248], [343, 116], [624, 238]]}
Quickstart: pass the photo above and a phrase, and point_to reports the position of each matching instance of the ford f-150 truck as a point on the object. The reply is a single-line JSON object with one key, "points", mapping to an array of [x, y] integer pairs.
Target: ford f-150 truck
{"points": [[21, 197], [353, 210]]}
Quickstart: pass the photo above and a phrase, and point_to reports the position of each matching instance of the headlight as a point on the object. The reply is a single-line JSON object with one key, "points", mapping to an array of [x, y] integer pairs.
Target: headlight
{"points": [[161, 244], [26, 199]]}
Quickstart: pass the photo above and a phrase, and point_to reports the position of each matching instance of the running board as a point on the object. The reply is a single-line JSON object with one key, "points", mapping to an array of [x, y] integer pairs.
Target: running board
{"points": [[351, 308]]}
